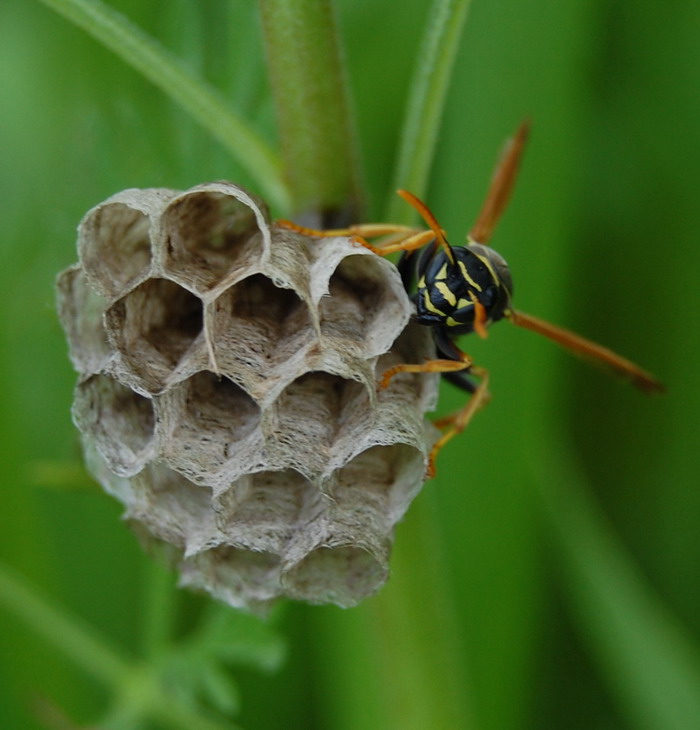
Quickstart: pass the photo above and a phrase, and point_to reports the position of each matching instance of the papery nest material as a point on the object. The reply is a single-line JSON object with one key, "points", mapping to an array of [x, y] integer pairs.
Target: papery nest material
{"points": [[227, 392]]}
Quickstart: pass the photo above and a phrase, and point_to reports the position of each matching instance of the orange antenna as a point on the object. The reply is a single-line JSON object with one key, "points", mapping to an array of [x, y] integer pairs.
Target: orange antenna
{"points": [[581, 346], [480, 317], [501, 186], [430, 219]]}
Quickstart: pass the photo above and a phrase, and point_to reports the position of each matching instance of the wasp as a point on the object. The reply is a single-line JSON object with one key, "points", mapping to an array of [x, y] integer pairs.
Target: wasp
{"points": [[460, 289]]}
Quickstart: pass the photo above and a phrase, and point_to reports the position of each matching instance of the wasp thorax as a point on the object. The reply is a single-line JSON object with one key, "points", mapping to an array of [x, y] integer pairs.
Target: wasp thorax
{"points": [[227, 392]]}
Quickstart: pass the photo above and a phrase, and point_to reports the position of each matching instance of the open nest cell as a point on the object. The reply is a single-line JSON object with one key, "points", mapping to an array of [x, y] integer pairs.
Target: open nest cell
{"points": [[262, 510], [208, 416], [310, 415], [241, 577], [119, 421], [174, 509], [115, 247], [360, 305], [257, 326], [81, 310], [209, 237], [340, 574], [154, 327]]}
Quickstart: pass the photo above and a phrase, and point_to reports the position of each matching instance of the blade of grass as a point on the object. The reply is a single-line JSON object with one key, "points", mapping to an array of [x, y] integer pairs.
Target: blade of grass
{"points": [[194, 95], [308, 81], [426, 102], [652, 666]]}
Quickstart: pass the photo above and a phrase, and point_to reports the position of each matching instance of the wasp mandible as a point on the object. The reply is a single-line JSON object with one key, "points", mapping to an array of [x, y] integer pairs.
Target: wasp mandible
{"points": [[459, 289]]}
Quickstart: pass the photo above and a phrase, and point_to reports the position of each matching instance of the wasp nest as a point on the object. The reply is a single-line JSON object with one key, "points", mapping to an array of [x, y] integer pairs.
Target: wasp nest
{"points": [[227, 392]]}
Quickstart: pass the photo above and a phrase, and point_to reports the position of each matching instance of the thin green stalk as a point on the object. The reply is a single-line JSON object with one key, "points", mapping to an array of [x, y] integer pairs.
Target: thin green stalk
{"points": [[159, 609], [309, 86], [425, 650], [193, 94], [426, 102], [417, 631], [650, 662]]}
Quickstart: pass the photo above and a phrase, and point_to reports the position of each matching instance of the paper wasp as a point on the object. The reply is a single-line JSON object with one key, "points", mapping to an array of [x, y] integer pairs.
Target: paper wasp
{"points": [[465, 288]]}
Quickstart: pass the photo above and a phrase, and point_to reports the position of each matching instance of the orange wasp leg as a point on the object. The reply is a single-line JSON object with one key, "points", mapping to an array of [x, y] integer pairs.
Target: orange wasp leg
{"points": [[457, 422], [403, 238], [431, 366]]}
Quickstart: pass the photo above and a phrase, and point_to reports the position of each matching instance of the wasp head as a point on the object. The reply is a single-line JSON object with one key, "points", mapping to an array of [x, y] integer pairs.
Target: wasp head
{"points": [[448, 290]]}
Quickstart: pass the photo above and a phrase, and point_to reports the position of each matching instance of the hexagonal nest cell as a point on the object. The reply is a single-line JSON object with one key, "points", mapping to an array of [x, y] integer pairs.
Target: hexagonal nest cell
{"points": [[359, 297], [120, 421], [153, 327], [210, 235], [227, 393], [257, 328], [81, 311], [213, 428], [115, 247]]}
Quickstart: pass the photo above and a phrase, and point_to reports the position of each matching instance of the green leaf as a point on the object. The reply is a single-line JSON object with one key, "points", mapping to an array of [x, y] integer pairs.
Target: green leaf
{"points": [[426, 102], [197, 670], [237, 638], [193, 94]]}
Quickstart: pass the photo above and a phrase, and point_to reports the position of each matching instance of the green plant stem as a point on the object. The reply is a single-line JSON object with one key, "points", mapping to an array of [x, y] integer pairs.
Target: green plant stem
{"points": [[310, 91], [415, 615], [193, 94], [417, 631], [426, 102], [158, 613]]}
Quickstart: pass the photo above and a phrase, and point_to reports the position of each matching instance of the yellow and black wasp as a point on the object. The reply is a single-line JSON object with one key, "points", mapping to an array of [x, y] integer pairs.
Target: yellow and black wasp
{"points": [[462, 289]]}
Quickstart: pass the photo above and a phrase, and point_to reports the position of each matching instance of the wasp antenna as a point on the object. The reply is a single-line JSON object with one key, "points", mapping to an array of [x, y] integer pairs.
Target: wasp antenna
{"points": [[427, 215], [501, 186], [480, 317], [641, 379]]}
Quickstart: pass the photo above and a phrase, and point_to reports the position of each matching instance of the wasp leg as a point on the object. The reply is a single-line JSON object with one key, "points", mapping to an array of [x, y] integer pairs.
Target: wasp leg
{"points": [[431, 366], [457, 422], [410, 243], [460, 380], [453, 370], [403, 238], [366, 230]]}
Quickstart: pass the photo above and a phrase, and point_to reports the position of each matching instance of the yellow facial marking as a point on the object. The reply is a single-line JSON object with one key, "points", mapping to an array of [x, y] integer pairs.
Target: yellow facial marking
{"points": [[430, 306], [446, 292], [442, 274], [465, 274], [462, 303], [487, 263], [452, 322]]}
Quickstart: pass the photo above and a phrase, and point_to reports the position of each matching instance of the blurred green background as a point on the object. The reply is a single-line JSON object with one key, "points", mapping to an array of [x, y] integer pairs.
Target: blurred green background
{"points": [[548, 577]]}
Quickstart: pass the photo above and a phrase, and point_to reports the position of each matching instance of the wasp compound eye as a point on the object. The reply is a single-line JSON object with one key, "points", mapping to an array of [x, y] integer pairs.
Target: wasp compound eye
{"points": [[227, 393]]}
